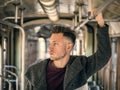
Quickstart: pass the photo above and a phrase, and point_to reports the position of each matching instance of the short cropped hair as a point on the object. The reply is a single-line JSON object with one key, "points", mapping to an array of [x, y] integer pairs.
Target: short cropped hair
{"points": [[67, 32]]}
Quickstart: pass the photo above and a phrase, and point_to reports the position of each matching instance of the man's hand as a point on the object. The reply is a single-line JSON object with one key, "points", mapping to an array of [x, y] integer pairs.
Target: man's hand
{"points": [[98, 18]]}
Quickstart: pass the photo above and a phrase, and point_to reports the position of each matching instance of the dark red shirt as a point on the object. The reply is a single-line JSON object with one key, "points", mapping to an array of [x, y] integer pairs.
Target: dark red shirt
{"points": [[55, 77]]}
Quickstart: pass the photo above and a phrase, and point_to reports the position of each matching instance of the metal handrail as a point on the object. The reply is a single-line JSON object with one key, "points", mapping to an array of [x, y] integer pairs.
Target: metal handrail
{"points": [[13, 75], [23, 50], [10, 66], [10, 85]]}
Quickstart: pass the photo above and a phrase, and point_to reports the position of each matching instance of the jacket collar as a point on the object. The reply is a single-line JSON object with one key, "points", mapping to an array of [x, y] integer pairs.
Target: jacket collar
{"points": [[74, 67], [42, 84]]}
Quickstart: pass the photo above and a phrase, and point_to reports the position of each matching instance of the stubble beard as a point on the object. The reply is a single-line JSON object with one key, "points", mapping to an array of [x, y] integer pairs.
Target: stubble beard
{"points": [[59, 58]]}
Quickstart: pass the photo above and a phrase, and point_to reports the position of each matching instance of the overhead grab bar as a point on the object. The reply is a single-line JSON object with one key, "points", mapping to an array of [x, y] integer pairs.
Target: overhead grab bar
{"points": [[98, 10]]}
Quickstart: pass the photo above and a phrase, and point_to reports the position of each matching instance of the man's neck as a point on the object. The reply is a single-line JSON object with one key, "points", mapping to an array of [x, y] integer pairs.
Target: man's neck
{"points": [[61, 63]]}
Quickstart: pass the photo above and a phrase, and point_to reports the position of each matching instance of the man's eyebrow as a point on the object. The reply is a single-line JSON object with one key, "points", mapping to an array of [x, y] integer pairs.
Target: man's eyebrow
{"points": [[53, 41]]}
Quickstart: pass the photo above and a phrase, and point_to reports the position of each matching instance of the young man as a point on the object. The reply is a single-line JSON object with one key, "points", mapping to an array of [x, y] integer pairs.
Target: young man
{"points": [[63, 71]]}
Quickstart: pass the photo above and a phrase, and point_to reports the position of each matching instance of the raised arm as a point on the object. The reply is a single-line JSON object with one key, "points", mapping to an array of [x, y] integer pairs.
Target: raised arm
{"points": [[102, 55]]}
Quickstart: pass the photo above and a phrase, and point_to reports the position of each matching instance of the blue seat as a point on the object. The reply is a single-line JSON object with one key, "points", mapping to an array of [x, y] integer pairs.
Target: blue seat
{"points": [[94, 87]]}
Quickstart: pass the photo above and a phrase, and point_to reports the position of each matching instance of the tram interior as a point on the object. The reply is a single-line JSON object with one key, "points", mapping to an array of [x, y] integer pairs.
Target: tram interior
{"points": [[25, 30]]}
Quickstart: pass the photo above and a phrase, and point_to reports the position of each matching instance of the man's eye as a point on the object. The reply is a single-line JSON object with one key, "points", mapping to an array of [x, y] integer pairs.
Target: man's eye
{"points": [[55, 43]]}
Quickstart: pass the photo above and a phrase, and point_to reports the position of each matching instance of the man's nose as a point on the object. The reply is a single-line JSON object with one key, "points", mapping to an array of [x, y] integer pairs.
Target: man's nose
{"points": [[50, 47]]}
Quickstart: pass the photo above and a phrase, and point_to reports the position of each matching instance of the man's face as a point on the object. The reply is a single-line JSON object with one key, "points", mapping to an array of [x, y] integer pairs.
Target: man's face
{"points": [[58, 46]]}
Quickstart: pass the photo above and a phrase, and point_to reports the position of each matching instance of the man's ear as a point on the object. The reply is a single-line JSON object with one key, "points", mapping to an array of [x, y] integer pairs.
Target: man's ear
{"points": [[70, 46]]}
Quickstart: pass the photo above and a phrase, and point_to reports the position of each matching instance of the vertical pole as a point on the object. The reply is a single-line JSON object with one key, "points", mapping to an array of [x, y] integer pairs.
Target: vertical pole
{"points": [[118, 65], [114, 63], [1, 61], [1, 66], [22, 8]]}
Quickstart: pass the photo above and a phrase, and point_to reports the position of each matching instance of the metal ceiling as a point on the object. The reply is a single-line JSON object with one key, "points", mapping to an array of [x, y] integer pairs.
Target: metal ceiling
{"points": [[66, 8], [7, 7]]}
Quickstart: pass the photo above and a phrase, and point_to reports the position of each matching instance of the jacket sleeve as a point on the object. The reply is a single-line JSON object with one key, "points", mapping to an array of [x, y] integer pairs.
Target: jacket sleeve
{"points": [[96, 61]]}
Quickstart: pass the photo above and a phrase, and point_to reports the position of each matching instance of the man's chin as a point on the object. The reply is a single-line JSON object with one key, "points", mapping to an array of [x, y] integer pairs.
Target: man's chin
{"points": [[51, 58]]}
